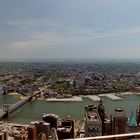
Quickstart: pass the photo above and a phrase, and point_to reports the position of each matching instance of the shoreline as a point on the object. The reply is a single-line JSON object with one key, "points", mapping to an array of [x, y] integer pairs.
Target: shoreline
{"points": [[21, 97], [14, 94], [94, 98]]}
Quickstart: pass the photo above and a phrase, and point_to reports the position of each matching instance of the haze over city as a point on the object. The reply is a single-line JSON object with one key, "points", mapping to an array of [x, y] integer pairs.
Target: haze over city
{"points": [[69, 29]]}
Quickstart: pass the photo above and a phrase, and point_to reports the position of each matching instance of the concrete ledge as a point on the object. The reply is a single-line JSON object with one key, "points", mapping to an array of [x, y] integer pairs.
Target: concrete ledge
{"points": [[113, 137]]}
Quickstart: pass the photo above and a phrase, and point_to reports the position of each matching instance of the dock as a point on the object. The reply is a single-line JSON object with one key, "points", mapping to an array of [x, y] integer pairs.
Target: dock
{"points": [[72, 99], [126, 93], [110, 96], [137, 93], [93, 97]]}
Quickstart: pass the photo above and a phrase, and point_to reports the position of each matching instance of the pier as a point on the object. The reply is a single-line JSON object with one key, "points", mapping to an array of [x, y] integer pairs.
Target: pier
{"points": [[110, 96], [126, 93], [72, 99], [93, 97]]}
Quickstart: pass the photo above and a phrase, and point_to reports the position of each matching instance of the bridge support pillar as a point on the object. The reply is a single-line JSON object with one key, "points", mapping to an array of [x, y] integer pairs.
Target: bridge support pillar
{"points": [[6, 110]]}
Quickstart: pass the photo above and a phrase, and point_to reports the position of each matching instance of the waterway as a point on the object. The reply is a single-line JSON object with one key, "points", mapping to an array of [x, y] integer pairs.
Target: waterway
{"points": [[34, 110], [7, 99]]}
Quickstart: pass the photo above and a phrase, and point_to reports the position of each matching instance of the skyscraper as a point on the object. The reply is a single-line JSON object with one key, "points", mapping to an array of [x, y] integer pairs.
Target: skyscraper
{"points": [[101, 111], [93, 124], [32, 132], [138, 115], [118, 122]]}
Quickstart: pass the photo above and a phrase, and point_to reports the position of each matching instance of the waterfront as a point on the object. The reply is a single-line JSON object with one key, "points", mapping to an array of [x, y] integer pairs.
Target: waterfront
{"points": [[34, 110]]}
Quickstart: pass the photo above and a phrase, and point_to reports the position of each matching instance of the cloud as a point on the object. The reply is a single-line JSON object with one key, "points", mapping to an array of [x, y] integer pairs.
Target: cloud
{"points": [[93, 34], [43, 31], [37, 36], [40, 40]]}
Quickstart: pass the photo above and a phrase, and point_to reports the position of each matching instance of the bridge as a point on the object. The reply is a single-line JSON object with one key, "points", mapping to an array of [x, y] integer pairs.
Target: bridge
{"points": [[7, 109]]}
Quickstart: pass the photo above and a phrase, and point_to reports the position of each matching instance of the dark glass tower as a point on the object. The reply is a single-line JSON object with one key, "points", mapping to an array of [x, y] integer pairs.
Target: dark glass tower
{"points": [[101, 111]]}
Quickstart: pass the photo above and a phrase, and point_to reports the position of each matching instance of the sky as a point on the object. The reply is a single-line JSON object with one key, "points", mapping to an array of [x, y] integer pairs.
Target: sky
{"points": [[57, 29]]}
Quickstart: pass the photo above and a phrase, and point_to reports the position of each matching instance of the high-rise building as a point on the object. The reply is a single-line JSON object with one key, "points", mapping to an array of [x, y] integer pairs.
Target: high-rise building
{"points": [[52, 119], [93, 124], [132, 120], [138, 115], [66, 130], [107, 124], [19, 137], [101, 111], [32, 132], [5, 134], [63, 132], [42, 127], [132, 123], [118, 122], [1, 136]]}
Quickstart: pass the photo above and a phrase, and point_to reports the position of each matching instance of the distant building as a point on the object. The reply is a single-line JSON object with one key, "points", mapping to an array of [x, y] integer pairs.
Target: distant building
{"points": [[79, 80], [93, 123], [118, 122]]}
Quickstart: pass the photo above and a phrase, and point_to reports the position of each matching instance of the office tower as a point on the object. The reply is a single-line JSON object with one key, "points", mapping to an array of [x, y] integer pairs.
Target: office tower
{"points": [[2, 136], [42, 127], [93, 124], [20, 137], [138, 115], [5, 134], [43, 137], [132, 123], [132, 120], [52, 119], [101, 111], [66, 131], [107, 124], [32, 132], [118, 122]]}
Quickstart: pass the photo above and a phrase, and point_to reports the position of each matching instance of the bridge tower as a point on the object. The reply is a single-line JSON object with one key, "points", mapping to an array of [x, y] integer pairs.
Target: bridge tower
{"points": [[5, 108]]}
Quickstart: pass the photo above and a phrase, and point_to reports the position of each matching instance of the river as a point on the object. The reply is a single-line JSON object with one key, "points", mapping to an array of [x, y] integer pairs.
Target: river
{"points": [[34, 110]]}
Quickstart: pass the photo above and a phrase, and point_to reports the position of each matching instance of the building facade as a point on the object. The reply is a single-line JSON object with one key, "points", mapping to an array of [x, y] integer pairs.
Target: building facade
{"points": [[119, 121]]}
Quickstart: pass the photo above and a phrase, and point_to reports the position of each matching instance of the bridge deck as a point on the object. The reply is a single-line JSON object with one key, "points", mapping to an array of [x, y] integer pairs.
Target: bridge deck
{"points": [[16, 106]]}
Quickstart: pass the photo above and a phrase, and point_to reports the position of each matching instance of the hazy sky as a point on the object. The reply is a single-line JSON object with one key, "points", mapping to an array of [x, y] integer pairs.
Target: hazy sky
{"points": [[69, 29]]}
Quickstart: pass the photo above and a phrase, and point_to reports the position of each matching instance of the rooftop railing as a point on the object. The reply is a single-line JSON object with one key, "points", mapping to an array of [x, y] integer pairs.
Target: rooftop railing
{"points": [[130, 136]]}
